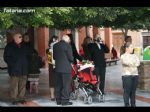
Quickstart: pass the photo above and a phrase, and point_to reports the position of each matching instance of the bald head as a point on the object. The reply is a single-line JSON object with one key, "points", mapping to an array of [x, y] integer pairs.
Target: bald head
{"points": [[66, 38]]}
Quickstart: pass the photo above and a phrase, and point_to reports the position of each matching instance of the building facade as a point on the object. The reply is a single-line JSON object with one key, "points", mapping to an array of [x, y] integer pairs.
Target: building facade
{"points": [[40, 37]]}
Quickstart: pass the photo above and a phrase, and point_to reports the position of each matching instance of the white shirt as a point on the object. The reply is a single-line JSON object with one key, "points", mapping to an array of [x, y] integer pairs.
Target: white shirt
{"points": [[98, 45]]}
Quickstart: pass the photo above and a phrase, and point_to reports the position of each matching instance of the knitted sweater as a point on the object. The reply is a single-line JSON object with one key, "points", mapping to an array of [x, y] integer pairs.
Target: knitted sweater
{"points": [[130, 62]]}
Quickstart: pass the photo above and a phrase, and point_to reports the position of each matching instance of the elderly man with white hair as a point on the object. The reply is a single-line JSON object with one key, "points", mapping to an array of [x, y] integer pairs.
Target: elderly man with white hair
{"points": [[15, 55], [63, 56]]}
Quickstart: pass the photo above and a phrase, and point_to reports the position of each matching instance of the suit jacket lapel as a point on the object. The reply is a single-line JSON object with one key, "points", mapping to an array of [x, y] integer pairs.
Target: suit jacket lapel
{"points": [[99, 46]]}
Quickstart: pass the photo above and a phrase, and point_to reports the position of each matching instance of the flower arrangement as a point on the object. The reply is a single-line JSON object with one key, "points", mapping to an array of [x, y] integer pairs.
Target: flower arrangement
{"points": [[86, 62]]}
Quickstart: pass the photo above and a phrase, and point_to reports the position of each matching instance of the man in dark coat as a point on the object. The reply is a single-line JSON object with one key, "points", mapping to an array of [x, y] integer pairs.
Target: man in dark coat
{"points": [[15, 55], [63, 56], [98, 50]]}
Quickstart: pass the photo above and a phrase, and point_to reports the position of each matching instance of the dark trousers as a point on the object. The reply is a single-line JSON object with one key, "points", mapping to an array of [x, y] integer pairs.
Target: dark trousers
{"points": [[129, 85], [62, 87], [51, 76], [27, 85], [100, 72]]}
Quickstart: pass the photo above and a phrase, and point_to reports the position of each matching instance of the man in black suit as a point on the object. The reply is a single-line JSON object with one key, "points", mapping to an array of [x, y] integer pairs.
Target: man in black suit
{"points": [[63, 56], [98, 50]]}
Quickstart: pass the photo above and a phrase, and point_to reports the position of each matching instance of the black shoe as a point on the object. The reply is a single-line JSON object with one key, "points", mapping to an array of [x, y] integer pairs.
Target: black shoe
{"points": [[67, 103], [15, 102], [133, 105], [19, 102], [58, 103], [102, 98], [22, 101], [127, 105], [52, 99]]}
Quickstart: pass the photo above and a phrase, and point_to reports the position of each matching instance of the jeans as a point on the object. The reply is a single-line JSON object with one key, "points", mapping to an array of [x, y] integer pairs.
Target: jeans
{"points": [[129, 85]]}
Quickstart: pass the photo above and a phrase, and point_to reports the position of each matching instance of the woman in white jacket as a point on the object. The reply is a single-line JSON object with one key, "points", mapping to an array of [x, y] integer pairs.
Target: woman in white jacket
{"points": [[130, 62]]}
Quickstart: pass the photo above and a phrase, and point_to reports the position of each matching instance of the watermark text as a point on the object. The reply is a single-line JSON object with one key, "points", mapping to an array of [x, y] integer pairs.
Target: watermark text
{"points": [[10, 10]]}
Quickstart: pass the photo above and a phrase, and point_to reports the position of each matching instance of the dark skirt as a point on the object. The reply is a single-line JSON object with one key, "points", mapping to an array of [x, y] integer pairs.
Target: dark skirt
{"points": [[51, 76]]}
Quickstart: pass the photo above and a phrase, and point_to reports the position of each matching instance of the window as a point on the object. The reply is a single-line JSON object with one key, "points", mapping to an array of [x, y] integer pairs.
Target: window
{"points": [[146, 41]]}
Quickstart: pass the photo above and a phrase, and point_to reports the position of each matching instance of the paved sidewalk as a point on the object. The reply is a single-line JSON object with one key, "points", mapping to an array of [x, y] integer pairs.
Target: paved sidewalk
{"points": [[113, 96]]}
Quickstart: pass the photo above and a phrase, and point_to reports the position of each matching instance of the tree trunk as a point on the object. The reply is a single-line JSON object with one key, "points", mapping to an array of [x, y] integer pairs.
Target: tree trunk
{"points": [[125, 31], [86, 27]]}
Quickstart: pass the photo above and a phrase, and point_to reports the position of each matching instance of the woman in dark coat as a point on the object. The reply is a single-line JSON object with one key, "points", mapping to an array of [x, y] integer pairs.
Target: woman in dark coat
{"points": [[26, 40], [34, 69], [74, 50], [85, 51]]}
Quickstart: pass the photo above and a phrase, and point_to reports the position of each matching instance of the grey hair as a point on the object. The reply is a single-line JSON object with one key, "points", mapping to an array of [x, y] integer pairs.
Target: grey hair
{"points": [[66, 38]]}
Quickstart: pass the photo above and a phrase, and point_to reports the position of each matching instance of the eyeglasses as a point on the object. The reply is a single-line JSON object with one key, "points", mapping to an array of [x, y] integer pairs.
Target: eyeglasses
{"points": [[20, 36]]}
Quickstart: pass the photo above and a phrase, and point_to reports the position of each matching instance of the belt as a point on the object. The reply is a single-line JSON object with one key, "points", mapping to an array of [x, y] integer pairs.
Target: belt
{"points": [[129, 75]]}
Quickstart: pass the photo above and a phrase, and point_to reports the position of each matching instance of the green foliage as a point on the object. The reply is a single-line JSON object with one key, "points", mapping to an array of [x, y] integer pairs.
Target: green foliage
{"points": [[42, 17], [133, 18], [5, 20], [61, 17]]}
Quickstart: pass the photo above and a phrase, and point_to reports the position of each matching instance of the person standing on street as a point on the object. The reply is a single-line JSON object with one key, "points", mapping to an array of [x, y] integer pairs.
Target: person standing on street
{"points": [[15, 55], [130, 62], [51, 63], [84, 51], [98, 50], [63, 56], [27, 42]]}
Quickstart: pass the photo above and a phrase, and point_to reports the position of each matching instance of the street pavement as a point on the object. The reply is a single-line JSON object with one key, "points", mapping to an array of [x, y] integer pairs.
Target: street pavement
{"points": [[113, 88]]}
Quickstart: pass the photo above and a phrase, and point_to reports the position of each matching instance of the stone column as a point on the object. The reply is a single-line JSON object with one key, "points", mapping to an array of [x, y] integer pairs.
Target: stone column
{"points": [[76, 39], [90, 31], [42, 41], [82, 35], [108, 37], [30, 32]]}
